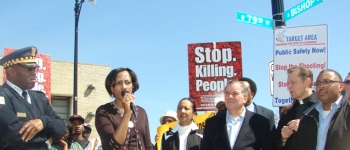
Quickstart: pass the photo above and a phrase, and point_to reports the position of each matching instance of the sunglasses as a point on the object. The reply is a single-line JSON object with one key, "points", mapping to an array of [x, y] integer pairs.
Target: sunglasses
{"points": [[346, 82], [30, 69]]}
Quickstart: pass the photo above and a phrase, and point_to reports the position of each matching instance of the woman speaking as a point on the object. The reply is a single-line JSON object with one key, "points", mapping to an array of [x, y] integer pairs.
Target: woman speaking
{"points": [[121, 124]]}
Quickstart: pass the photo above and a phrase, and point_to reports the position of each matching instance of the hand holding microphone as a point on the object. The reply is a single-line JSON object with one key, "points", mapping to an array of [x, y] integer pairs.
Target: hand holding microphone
{"points": [[131, 104]]}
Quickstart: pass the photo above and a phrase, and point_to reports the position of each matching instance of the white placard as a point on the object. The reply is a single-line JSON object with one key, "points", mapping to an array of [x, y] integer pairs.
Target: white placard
{"points": [[305, 46]]}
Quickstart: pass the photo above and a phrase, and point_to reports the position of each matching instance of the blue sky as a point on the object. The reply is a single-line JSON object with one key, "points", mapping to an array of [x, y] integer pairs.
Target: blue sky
{"points": [[151, 38]]}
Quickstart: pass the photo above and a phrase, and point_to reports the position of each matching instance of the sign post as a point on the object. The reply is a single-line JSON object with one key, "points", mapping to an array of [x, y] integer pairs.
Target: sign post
{"points": [[287, 15]]}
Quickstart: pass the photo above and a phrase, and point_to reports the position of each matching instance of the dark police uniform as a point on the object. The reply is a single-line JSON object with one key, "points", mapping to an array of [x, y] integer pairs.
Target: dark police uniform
{"points": [[15, 110]]}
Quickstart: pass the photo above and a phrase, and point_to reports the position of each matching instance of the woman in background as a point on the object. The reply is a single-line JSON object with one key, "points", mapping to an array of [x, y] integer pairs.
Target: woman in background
{"points": [[186, 135], [115, 122]]}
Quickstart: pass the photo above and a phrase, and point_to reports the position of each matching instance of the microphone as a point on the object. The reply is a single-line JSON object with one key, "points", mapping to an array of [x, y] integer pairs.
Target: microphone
{"points": [[131, 104]]}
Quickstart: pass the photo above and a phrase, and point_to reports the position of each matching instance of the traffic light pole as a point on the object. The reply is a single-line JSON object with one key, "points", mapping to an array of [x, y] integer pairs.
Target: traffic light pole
{"points": [[277, 13]]}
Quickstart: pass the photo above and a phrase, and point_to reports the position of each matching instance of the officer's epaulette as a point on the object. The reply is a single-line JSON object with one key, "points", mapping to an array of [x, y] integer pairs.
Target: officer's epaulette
{"points": [[39, 92]]}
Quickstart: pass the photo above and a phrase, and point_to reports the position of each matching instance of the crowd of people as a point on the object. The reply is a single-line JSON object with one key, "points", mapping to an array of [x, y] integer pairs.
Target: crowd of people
{"points": [[316, 120]]}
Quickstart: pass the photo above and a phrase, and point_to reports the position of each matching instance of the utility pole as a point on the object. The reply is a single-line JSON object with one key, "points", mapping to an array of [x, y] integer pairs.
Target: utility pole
{"points": [[277, 13], [278, 20], [77, 9]]}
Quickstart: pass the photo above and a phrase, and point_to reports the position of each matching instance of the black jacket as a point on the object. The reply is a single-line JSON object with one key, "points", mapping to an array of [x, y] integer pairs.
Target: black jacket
{"points": [[254, 133], [268, 114], [295, 112], [170, 139], [15, 111], [338, 135]]}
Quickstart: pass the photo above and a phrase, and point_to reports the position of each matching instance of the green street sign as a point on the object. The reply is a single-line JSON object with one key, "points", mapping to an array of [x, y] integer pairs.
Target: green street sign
{"points": [[300, 8], [254, 20]]}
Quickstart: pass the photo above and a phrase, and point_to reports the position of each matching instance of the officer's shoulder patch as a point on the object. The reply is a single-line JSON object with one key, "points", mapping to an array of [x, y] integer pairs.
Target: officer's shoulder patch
{"points": [[2, 100]]}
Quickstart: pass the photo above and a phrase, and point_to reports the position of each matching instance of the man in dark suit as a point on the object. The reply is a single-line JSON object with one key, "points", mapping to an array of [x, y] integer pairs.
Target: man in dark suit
{"points": [[326, 124], [27, 119], [251, 106], [236, 128], [347, 85], [300, 81]]}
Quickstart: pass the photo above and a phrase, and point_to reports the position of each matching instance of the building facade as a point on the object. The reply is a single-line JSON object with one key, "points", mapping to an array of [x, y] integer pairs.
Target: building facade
{"points": [[91, 91]]}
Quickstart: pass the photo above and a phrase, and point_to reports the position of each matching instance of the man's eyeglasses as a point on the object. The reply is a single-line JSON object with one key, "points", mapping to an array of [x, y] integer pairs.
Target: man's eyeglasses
{"points": [[347, 82], [325, 82], [29, 68]]}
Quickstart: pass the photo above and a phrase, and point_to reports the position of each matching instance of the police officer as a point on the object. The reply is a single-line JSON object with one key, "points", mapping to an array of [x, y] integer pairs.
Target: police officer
{"points": [[27, 119]]}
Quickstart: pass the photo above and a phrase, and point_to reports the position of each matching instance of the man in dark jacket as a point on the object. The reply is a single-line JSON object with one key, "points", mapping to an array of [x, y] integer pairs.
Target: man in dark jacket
{"points": [[27, 119], [300, 81], [235, 128], [326, 125], [347, 85]]}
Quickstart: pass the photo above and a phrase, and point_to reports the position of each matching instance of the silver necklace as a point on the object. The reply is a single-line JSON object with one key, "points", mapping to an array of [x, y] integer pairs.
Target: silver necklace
{"points": [[119, 110]]}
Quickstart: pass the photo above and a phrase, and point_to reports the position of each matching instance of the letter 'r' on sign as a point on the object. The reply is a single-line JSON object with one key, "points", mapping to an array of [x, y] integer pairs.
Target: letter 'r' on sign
{"points": [[300, 8]]}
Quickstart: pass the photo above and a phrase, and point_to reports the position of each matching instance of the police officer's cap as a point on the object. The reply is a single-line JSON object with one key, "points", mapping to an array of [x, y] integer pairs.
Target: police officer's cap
{"points": [[24, 56]]}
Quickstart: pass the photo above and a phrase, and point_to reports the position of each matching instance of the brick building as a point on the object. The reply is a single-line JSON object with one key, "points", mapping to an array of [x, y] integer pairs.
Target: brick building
{"points": [[91, 90]]}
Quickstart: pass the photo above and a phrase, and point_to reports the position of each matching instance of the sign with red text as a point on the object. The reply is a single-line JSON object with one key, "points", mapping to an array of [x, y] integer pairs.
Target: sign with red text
{"points": [[43, 73], [305, 46], [210, 66]]}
